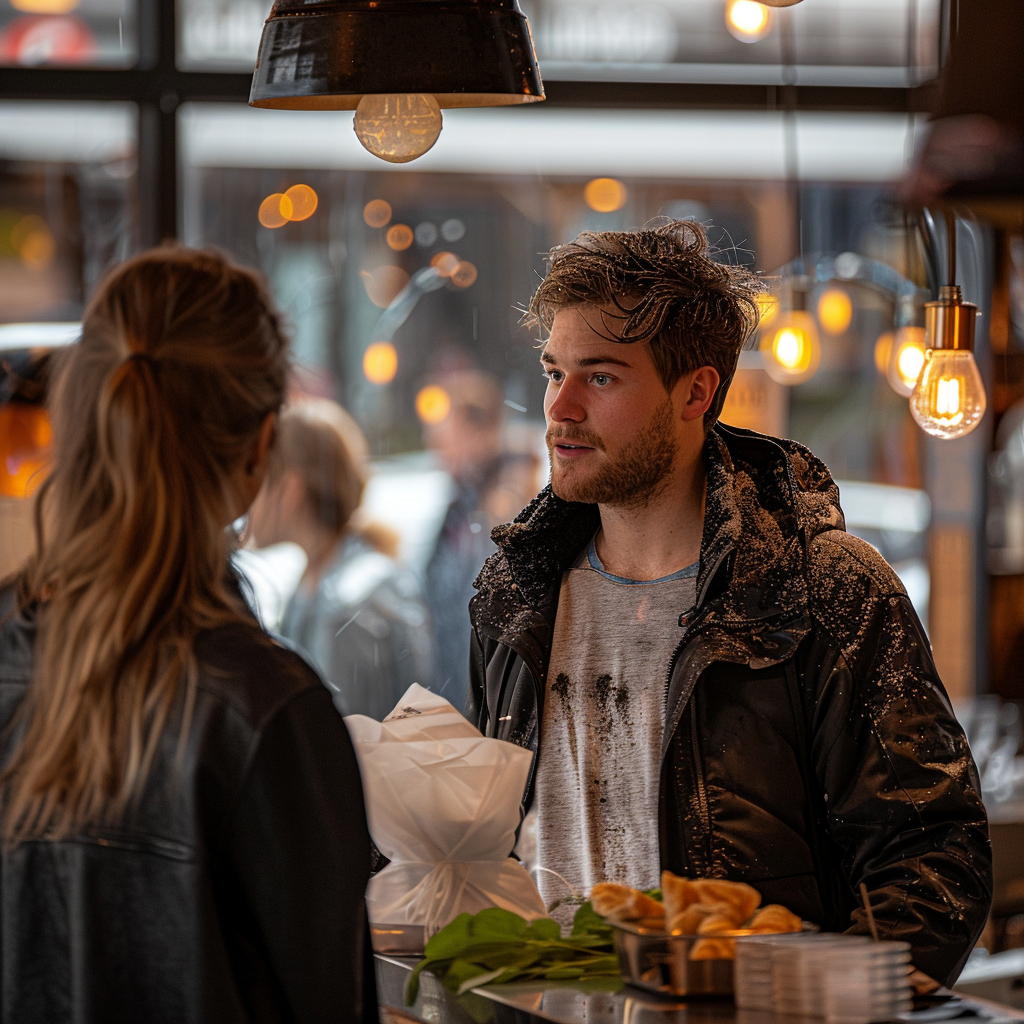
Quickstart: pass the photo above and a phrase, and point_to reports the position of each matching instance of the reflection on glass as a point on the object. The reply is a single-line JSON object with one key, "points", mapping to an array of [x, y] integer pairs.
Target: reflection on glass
{"points": [[94, 33]]}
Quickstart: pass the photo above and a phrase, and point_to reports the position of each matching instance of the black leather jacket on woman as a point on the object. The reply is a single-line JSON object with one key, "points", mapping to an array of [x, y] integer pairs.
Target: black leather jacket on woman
{"points": [[809, 745], [234, 893]]}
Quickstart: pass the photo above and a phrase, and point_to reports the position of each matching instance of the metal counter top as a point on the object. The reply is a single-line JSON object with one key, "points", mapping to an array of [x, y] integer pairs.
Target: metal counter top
{"points": [[593, 1003]]}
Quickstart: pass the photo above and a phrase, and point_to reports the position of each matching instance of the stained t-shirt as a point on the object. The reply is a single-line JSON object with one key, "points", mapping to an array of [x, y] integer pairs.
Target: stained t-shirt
{"points": [[600, 740]]}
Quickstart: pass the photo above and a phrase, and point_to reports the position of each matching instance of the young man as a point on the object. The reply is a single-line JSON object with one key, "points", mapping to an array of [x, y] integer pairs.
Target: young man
{"points": [[716, 678]]}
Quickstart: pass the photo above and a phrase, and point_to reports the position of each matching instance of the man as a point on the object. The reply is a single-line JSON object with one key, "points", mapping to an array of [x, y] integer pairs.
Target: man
{"points": [[716, 677], [489, 485]]}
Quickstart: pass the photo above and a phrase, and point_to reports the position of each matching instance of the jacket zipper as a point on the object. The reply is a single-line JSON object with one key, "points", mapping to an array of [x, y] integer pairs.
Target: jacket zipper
{"points": [[702, 797], [698, 774]]}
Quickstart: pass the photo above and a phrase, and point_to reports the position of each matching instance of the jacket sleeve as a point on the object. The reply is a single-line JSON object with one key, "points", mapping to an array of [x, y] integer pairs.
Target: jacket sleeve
{"points": [[901, 790], [300, 851], [476, 699]]}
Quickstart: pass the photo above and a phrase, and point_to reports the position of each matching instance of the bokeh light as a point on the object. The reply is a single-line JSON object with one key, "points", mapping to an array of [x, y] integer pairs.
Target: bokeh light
{"points": [[909, 359], [464, 275], [45, 6], [906, 359], [377, 213], [883, 352], [605, 195], [791, 347], [383, 284], [33, 241], [25, 437], [380, 362], [272, 213], [445, 263], [303, 201], [835, 310], [433, 404], [400, 237], [746, 20]]}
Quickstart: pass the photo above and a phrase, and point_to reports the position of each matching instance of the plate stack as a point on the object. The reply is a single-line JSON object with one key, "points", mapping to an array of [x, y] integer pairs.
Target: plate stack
{"points": [[752, 981], [847, 979]]}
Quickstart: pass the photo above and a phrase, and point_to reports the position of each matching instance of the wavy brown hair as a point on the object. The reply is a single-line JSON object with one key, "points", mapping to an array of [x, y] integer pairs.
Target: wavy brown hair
{"points": [[660, 285], [181, 358]]}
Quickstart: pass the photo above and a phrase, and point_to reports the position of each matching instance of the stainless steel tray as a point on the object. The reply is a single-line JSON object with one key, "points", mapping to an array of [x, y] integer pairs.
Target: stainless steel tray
{"points": [[397, 938], [652, 960]]}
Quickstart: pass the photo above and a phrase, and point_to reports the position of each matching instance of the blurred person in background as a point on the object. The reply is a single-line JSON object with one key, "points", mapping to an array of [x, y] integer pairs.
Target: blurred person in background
{"points": [[491, 485], [356, 614], [184, 835]]}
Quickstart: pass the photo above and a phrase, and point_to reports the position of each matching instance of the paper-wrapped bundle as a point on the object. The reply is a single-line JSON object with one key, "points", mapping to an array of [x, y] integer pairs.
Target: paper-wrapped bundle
{"points": [[443, 806]]}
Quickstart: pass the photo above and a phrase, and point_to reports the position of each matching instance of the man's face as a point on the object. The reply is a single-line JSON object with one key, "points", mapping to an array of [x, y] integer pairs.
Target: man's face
{"points": [[613, 430]]}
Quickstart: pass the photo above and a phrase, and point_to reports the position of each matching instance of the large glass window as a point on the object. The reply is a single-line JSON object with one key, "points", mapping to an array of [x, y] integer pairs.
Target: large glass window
{"points": [[392, 277], [68, 203], [498, 191], [829, 42]]}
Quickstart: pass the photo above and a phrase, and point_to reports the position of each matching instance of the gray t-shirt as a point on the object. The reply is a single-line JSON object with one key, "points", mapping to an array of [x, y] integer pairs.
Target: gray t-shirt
{"points": [[600, 740]]}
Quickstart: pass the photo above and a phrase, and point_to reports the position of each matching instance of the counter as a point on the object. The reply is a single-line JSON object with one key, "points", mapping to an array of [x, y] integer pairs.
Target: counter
{"points": [[591, 1003]]}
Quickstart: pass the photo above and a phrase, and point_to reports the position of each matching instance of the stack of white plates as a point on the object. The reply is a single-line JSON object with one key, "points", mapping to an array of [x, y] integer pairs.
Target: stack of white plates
{"points": [[868, 982], [752, 977], [844, 978]]}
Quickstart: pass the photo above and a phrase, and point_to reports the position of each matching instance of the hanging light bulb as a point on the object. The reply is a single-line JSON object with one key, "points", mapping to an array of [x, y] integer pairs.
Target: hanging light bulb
{"points": [[949, 398], [397, 128], [790, 344], [396, 63], [747, 20]]}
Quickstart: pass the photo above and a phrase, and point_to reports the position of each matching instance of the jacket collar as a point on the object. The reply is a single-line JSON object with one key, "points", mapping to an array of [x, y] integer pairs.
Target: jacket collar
{"points": [[766, 499]]}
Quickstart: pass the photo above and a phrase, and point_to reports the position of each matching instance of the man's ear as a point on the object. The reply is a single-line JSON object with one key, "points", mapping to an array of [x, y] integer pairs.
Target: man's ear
{"points": [[697, 391]]}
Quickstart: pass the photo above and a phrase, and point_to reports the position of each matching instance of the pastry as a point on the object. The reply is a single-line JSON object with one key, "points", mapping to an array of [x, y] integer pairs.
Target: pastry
{"points": [[621, 903]]}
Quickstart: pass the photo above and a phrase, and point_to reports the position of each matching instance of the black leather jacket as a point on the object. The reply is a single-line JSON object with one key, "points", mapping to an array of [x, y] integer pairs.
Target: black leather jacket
{"points": [[234, 893], [809, 745]]}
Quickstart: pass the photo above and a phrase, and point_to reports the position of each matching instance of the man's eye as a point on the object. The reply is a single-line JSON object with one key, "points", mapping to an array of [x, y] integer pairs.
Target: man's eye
{"points": [[555, 375], [601, 379]]}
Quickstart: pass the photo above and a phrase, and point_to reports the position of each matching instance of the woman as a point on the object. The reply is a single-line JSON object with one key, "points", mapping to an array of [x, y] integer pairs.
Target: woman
{"points": [[184, 837], [356, 614]]}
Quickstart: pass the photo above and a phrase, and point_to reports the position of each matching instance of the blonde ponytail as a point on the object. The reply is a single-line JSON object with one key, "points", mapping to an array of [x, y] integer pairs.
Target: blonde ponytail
{"points": [[181, 359]]}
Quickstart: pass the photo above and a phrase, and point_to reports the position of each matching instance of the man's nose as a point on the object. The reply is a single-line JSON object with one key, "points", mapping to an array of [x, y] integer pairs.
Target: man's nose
{"points": [[566, 405]]}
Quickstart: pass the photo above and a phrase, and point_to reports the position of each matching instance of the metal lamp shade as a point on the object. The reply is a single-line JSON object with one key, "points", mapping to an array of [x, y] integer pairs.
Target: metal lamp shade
{"points": [[328, 54]]}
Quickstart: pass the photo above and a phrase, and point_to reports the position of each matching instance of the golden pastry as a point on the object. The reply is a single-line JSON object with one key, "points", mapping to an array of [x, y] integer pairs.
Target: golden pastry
{"points": [[717, 924], [774, 920], [687, 922], [742, 898], [677, 894], [621, 903]]}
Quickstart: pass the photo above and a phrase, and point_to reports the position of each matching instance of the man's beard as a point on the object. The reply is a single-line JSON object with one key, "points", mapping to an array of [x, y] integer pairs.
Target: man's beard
{"points": [[633, 478]]}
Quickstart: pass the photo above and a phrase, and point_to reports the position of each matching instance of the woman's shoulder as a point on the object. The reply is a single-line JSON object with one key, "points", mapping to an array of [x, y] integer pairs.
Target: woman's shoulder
{"points": [[247, 669]]}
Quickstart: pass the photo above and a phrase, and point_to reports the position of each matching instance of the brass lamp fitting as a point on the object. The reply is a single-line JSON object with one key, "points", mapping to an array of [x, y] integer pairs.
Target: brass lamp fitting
{"points": [[949, 323]]}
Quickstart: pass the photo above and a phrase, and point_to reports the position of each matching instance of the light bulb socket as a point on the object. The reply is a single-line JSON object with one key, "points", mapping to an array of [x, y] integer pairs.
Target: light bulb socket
{"points": [[948, 322]]}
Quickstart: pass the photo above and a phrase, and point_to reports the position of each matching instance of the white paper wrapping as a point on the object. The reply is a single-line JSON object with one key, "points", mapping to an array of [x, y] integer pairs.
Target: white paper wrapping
{"points": [[443, 806]]}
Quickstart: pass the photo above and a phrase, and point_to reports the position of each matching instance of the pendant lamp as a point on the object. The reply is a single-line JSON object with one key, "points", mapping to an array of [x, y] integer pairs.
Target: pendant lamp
{"points": [[397, 63]]}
